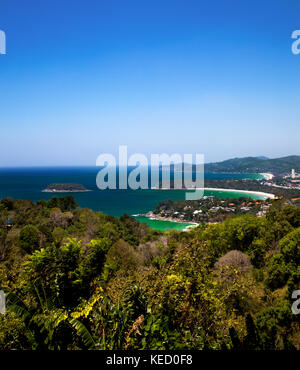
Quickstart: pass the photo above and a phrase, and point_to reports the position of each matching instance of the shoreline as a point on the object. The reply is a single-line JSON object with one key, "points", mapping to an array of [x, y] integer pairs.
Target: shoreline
{"points": [[260, 193], [64, 191], [152, 216], [192, 224], [267, 175]]}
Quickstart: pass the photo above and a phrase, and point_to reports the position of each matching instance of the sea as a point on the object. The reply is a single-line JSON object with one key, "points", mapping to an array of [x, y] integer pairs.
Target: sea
{"points": [[28, 183]]}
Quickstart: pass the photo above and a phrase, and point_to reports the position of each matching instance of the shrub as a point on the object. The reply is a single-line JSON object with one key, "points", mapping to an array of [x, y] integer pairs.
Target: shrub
{"points": [[29, 238], [236, 259]]}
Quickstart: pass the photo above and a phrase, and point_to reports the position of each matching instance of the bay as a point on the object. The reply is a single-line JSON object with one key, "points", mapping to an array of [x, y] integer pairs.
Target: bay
{"points": [[28, 183]]}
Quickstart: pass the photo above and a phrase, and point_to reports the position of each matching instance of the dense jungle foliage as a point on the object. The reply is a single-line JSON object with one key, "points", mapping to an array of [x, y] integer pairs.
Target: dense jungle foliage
{"points": [[76, 279]]}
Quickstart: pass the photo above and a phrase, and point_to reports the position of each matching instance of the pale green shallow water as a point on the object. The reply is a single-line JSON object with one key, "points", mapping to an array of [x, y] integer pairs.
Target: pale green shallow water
{"points": [[180, 226], [28, 183], [163, 225]]}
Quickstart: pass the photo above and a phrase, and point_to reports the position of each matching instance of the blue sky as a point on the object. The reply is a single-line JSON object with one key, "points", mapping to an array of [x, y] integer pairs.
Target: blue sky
{"points": [[82, 77]]}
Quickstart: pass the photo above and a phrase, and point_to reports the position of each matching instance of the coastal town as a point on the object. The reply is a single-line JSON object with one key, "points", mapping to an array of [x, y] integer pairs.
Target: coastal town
{"points": [[209, 209], [212, 209], [289, 181]]}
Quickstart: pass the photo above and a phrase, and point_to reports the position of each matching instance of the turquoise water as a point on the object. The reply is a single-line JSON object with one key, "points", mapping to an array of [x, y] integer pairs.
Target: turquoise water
{"points": [[28, 183], [163, 225], [230, 194]]}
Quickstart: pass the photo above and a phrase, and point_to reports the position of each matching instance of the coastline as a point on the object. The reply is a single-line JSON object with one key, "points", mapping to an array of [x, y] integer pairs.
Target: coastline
{"points": [[262, 194], [152, 217], [64, 191], [267, 175]]}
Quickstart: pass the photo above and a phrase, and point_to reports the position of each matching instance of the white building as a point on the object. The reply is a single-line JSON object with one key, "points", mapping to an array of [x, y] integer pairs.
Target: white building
{"points": [[293, 173]]}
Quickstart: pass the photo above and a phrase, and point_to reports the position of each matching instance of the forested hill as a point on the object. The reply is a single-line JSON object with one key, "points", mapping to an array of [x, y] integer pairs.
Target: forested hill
{"points": [[256, 164], [75, 279]]}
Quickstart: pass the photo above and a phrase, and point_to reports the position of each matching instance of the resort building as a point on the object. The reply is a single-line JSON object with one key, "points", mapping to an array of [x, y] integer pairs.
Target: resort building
{"points": [[293, 173]]}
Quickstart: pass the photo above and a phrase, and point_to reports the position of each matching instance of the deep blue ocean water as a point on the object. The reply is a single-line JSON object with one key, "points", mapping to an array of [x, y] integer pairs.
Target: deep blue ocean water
{"points": [[28, 183]]}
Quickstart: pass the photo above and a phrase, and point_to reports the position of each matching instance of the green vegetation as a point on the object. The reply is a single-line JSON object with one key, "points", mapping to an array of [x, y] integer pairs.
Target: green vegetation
{"points": [[250, 185], [277, 166], [253, 185], [210, 209], [65, 188], [76, 279]]}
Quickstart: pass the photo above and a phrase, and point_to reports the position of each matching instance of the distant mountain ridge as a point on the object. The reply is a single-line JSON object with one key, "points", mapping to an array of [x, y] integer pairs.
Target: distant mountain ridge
{"points": [[277, 166]]}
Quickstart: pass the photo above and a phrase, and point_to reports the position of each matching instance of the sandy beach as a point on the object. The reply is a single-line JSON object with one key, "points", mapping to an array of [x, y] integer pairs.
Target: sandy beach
{"points": [[267, 195], [262, 194], [267, 176], [153, 216]]}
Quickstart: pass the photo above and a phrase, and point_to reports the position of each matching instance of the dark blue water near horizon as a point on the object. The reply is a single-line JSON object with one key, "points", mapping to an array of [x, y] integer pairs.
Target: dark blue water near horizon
{"points": [[28, 183]]}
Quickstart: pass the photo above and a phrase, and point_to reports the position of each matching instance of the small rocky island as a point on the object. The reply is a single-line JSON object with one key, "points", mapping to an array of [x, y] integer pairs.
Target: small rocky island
{"points": [[65, 188]]}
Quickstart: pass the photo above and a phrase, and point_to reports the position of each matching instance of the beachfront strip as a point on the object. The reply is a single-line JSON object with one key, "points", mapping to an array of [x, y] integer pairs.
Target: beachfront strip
{"points": [[209, 209], [258, 193]]}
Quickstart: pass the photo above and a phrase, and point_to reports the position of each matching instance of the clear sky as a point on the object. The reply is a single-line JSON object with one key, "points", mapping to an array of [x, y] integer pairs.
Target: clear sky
{"points": [[82, 77]]}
